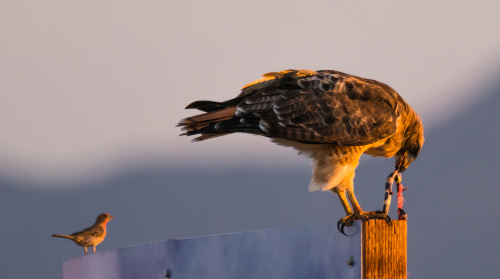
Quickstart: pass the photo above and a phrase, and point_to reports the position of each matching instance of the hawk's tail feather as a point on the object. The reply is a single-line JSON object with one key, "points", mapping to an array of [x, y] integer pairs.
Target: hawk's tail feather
{"points": [[220, 128], [209, 106], [209, 136], [199, 121], [206, 106], [216, 123]]}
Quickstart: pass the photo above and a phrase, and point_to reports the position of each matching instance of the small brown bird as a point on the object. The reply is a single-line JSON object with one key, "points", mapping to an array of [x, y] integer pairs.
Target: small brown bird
{"points": [[91, 236]]}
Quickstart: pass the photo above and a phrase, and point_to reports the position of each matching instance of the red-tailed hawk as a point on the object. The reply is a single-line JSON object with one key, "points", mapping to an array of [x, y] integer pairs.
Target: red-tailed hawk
{"points": [[330, 116]]}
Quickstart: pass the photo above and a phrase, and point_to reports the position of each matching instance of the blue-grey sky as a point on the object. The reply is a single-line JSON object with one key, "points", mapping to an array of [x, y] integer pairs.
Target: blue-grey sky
{"points": [[90, 92], [90, 87]]}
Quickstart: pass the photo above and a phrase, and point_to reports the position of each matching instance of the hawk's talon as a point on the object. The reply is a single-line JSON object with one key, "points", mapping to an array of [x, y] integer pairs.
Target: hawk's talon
{"points": [[389, 220], [345, 222], [365, 216], [340, 227]]}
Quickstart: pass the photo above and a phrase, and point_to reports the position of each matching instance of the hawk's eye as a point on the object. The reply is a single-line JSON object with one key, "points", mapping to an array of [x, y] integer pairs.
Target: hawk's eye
{"points": [[414, 150]]}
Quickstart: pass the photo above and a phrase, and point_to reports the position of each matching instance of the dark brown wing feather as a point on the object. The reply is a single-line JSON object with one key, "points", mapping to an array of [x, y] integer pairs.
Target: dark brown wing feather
{"points": [[310, 107], [330, 107]]}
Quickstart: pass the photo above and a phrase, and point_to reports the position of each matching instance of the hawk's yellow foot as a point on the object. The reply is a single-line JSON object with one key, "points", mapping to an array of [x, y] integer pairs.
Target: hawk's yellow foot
{"points": [[362, 215]]}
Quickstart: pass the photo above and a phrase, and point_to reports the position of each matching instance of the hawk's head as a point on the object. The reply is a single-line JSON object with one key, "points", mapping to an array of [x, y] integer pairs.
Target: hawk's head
{"points": [[413, 141]]}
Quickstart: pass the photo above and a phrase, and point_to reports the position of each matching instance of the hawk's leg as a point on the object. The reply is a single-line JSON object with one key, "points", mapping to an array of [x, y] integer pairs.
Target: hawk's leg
{"points": [[354, 201], [343, 200], [348, 211]]}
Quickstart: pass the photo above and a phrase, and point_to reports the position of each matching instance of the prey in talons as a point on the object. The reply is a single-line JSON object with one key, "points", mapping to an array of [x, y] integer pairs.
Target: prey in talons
{"points": [[403, 160]]}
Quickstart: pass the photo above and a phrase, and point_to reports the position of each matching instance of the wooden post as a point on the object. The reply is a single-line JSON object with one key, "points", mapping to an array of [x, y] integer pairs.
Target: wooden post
{"points": [[383, 249]]}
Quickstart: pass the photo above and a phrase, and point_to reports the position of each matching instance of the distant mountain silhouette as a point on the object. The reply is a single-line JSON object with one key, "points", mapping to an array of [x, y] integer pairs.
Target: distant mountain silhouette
{"points": [[452, 203]]}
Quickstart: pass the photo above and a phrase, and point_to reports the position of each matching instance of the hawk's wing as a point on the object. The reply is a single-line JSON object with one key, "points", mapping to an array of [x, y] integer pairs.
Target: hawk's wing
{"points": [[320, 107]]}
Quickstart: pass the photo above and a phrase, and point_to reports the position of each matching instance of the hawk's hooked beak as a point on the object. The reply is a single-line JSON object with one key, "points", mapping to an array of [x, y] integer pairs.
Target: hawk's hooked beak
{"points": [[402, 162]]}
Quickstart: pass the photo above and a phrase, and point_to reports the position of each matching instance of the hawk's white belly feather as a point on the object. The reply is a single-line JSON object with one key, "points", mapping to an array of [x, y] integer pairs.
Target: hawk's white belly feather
{"points": [[333, 165]]}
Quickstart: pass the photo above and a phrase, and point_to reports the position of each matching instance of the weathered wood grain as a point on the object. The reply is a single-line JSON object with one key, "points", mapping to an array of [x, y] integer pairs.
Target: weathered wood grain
{"points": [[383, 249]]}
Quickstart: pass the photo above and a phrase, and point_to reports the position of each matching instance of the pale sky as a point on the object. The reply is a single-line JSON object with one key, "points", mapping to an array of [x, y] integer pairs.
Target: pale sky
{"points": [[89, 87]]}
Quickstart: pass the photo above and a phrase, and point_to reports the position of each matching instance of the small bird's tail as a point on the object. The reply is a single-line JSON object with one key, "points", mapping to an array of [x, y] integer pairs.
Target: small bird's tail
{"points": [[62, 236]]}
